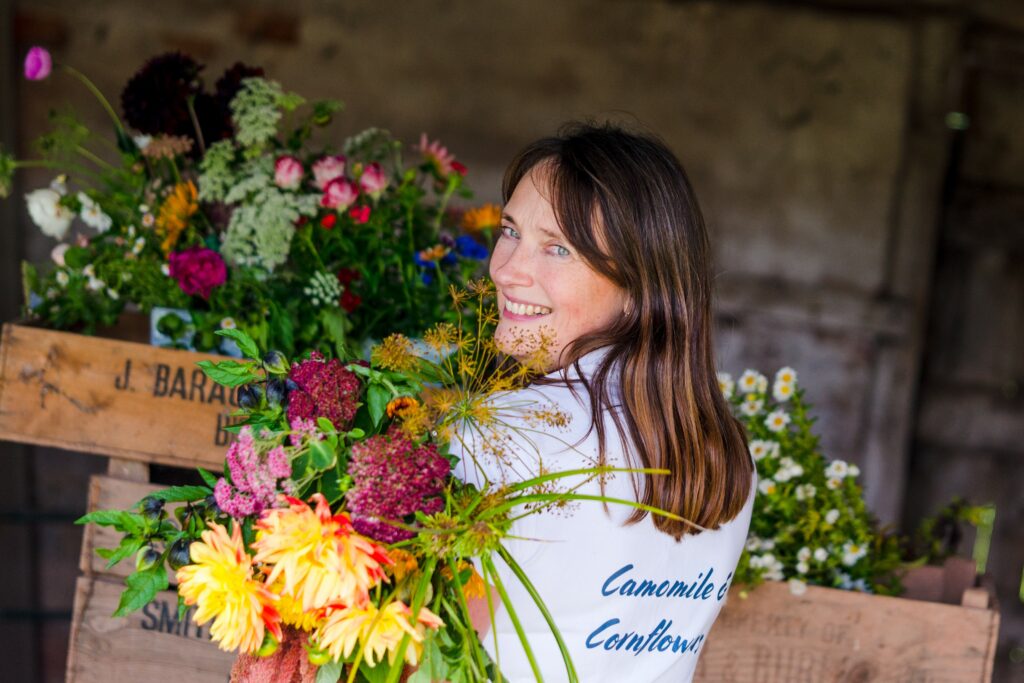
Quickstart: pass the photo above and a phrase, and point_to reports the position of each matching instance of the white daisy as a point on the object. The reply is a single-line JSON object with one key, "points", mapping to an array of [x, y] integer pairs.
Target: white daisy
{"points": [[777, 420], [782, 391], [784, 474], [767, 487], [802, 567], [228, 323], [726, 384], [803, 554], [854, 471], [762, 384], [753, 543], [759, 448], [138, 245], [834, 483], [89, 270], [820, 554], [837, 469], [62, 278], [786, 375], [148, 220], [852, 552], [112, 293], [166, 270], [751, 406], [768, 544], [95, 284], [750, 380], [805, 491], [92, 214], [832, 516], [797, 587]]}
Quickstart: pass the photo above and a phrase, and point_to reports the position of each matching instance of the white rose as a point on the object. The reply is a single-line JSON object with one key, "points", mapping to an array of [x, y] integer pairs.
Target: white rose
{"points": [[52, 218]]}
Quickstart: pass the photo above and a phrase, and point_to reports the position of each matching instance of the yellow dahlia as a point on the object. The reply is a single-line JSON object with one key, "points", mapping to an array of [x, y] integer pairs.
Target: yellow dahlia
{"points": [[175, 213], [292, 613], [378, 631], [221, 584], [321, 559]]}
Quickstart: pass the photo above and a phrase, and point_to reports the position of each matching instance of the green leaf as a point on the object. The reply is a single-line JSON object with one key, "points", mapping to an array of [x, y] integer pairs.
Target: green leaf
{"points": [[325, 425], [377, 401], [102, 518], [323, 455], [245, 343], [142, 589], [129, 546], [336, 325], [356, 433], [181, 494], [208, 477], [432, 666], [230, 373], [374, 674], [329, 672]]}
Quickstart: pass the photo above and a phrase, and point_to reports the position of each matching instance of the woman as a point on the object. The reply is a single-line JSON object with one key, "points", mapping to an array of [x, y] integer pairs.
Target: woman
{"points": [[603, 252]]}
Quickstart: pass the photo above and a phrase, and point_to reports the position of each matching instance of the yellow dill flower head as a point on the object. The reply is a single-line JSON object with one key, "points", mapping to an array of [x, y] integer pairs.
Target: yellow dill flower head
{"points": [[395, 353], [441, 337], [321, 559], [175, 213], [416, 421], [378, 631], [481, 217], [220, 583]]}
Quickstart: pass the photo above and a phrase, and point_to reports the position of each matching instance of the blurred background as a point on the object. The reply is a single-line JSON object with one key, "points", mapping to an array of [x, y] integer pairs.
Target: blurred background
{"points": [[860, 164]]}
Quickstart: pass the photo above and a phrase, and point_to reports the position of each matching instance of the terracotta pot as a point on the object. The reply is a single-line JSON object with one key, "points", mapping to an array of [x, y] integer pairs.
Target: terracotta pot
{"points": [[288, 665]]}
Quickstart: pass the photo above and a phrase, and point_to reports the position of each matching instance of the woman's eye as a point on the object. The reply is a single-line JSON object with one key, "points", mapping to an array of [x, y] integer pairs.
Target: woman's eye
{"points": [[509, 232], [561, 251]]}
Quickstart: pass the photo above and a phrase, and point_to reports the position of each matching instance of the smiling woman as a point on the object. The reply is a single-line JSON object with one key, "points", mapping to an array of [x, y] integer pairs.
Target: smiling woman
{"points": [[603, 257]]}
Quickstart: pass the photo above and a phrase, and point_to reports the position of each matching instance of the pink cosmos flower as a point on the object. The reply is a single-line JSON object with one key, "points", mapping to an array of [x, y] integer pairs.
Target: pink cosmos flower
{"points": [[198, 270], [327, 169], [359, 214], [437, 155], [373, 180], [287, 172], [339, 194], [38, 64]]}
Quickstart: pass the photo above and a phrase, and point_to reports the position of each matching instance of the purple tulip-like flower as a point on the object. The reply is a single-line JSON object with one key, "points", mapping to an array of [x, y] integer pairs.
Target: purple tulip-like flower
{"points": [[38, 64]]}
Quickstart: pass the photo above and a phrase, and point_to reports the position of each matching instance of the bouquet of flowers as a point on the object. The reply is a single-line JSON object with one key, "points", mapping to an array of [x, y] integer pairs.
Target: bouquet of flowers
{"points": [[336, 536], [810, 524], [222, 205]]}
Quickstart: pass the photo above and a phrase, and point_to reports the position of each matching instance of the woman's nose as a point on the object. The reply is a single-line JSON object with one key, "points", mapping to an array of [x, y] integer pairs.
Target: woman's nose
{"points": [[512, 266]]}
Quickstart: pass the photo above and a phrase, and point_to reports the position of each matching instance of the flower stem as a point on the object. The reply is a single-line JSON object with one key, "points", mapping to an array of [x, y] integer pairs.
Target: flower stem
{"points": [[99, 96], [493, 574], [417, 603], [93, 158]]}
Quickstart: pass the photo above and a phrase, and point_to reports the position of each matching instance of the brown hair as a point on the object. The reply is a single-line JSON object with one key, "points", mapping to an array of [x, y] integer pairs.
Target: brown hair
{"points": [[625, 203]]}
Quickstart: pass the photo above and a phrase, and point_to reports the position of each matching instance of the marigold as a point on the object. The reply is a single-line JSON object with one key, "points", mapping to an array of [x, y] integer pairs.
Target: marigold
{"points": [[175, 213], [379, 631], [221, 584], [318, 555], [400, 405], [481, 218]]}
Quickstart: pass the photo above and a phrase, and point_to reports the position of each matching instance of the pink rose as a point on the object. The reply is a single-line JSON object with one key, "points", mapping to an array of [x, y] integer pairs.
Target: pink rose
{"points": [[373, 181], [339, 194], [327, 169], [38, 64], [287, 172], [198, 270]]}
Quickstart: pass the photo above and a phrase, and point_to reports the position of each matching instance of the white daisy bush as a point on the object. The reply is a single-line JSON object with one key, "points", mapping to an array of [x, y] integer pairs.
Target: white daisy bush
{"points": [[810, 523]]}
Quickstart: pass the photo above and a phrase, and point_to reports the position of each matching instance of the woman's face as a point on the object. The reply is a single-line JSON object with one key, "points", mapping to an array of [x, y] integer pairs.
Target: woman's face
{"points": [[544, 286]]}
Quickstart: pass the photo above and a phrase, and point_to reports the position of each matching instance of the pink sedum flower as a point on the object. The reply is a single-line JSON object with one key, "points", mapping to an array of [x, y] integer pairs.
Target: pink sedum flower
{"points": [[373, 180], [327, 169], [288, 172], [38, 64], [257, 479], [339, 194]]}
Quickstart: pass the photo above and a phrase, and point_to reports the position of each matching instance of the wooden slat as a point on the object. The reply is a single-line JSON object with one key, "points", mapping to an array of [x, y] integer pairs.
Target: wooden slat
{"points": [[70, 391], [834, 636], [149, 645]]}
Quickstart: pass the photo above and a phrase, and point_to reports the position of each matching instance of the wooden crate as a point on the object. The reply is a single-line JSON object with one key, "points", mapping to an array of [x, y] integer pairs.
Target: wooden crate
{"points": [[151, 644], [111, 397], [835, 636]]}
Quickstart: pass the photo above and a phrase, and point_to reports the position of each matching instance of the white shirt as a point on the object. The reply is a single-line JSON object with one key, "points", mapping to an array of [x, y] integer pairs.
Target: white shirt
{"points": [[631, 603]]}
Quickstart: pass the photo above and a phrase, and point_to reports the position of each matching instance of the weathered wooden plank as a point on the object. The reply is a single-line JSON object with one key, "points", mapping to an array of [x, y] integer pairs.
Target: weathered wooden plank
{"points": [[110, 397], [149, 645], [833, 636]]}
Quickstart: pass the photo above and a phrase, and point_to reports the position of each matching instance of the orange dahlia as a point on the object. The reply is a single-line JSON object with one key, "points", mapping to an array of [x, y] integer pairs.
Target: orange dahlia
{"points": [[220, 583], [175, 213], [379, 631], [320, 558]]}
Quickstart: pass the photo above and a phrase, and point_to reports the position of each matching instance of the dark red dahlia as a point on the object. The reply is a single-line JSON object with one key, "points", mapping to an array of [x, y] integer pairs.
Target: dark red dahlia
{"points": [[323, 389], [155, 99]]}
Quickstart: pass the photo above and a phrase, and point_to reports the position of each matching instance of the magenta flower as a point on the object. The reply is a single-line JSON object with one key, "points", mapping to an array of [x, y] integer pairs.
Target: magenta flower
{"points": [[327, 169], [198, 270], [38, 64], [287, 172], [373, 180], [325, 389], [359, 214], [339, 194], [393, 480], [438, 156]]}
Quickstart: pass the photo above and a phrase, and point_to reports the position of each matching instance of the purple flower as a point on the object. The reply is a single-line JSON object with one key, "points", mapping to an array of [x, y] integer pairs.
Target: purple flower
{"points": [[198, 270], [256, 478], [38, 64], [324, 389], [393, 478]]}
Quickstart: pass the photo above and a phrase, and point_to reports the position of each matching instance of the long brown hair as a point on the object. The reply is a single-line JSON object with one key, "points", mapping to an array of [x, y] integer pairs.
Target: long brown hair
{"points": [[625, 203]]}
